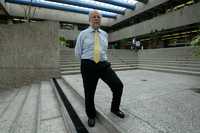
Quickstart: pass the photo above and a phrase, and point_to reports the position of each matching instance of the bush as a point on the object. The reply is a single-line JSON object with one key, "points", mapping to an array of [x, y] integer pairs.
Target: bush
{"points": [[63, 41], [196, 44]]}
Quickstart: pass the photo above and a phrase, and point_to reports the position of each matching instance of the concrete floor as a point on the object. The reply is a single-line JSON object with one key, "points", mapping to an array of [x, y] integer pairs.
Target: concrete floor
{"points": [[154, 102]]}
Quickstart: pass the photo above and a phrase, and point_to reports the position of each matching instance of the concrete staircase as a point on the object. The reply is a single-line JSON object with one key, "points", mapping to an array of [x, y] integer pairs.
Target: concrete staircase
{"points": [[31, 109], [40, 108], [69, 64], [175, 60], [103, 124]]}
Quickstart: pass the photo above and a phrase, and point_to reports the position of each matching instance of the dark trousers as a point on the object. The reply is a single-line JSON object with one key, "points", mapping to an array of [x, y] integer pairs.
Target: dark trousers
{"points": [[91, 72]]}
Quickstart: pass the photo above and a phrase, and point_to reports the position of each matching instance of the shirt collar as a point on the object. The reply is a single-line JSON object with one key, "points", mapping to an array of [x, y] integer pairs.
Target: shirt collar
{"points": [[92, 30]]}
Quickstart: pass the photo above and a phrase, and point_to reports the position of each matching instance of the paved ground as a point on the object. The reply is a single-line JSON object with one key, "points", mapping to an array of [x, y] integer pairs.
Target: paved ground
{"points": [[154, 102]]}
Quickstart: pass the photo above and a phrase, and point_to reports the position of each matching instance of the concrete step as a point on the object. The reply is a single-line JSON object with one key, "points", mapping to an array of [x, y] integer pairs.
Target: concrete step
{"points": [[65, 115], [165, 61], [67, 53], [69, 65], [51, 117], [69, 62], [70, 72], [116, 62], [66, 68], [103, 124], [12, 111], [69, 68], [29, 117], [77, 62], [171, 67], [78, 65], [68, 59], [69, 56], [170, 64], [170, 70], [6, 96], [67, 50], [141, 60], [66, 63], [169, 60], [124, 68], [77, 71], [31, 109]]}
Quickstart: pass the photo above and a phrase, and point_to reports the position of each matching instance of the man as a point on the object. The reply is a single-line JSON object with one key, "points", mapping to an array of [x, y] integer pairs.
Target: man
{"points": [[91, 47], [133, 44], [137, 44]]}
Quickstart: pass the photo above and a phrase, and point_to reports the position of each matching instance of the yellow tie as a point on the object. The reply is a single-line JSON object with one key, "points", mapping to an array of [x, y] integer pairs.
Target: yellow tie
{"points": [[96, 47]]}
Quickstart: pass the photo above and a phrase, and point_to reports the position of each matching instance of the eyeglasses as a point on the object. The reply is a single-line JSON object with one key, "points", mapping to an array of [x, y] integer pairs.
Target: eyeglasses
{"points": [[96, 17]]}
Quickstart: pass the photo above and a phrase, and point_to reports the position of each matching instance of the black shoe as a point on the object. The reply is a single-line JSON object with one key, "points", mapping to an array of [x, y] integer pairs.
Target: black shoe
{"points": [[118, 113], [91, 122]]}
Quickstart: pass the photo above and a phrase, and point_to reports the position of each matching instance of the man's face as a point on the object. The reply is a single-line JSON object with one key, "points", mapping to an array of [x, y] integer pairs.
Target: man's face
{"points": [[95, 20]]}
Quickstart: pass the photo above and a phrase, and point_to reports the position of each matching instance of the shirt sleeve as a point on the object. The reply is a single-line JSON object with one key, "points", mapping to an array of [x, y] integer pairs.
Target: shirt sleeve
{"points": [[78, 49], [106, 34]]}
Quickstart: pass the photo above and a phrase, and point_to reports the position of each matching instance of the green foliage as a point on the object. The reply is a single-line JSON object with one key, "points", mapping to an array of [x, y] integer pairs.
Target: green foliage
{"points": [[63, 41], [196, 44]]}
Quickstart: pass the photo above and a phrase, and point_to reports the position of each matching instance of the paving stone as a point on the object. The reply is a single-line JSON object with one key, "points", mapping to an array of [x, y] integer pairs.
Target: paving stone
{"points": [[49, 105], [28, 116], [53, 126], [7, 119], [51, 120]]}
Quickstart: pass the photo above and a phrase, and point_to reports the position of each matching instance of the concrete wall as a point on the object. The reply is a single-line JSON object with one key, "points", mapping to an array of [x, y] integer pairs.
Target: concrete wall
{"points": [[28, 52], [185, 16], [49, 14], [140, 7], [182, 17], [69, 34]]}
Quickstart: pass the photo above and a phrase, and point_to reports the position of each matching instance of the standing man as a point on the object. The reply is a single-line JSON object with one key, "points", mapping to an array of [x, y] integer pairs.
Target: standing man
{"points": [[133, 44], [91, 48], [137, 44]]}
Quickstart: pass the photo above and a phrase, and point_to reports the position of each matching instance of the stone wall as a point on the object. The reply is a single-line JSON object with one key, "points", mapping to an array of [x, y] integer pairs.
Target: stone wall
{"points": [[28, 52]]}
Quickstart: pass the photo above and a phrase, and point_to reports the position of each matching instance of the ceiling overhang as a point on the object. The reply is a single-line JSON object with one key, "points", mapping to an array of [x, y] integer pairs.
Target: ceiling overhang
{"points": [[88, 5], [143, 1], [57, 7], [119, 3]]}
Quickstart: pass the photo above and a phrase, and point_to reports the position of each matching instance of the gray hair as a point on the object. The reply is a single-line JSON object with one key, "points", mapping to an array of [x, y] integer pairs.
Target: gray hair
{"points": [[92, 11]]}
